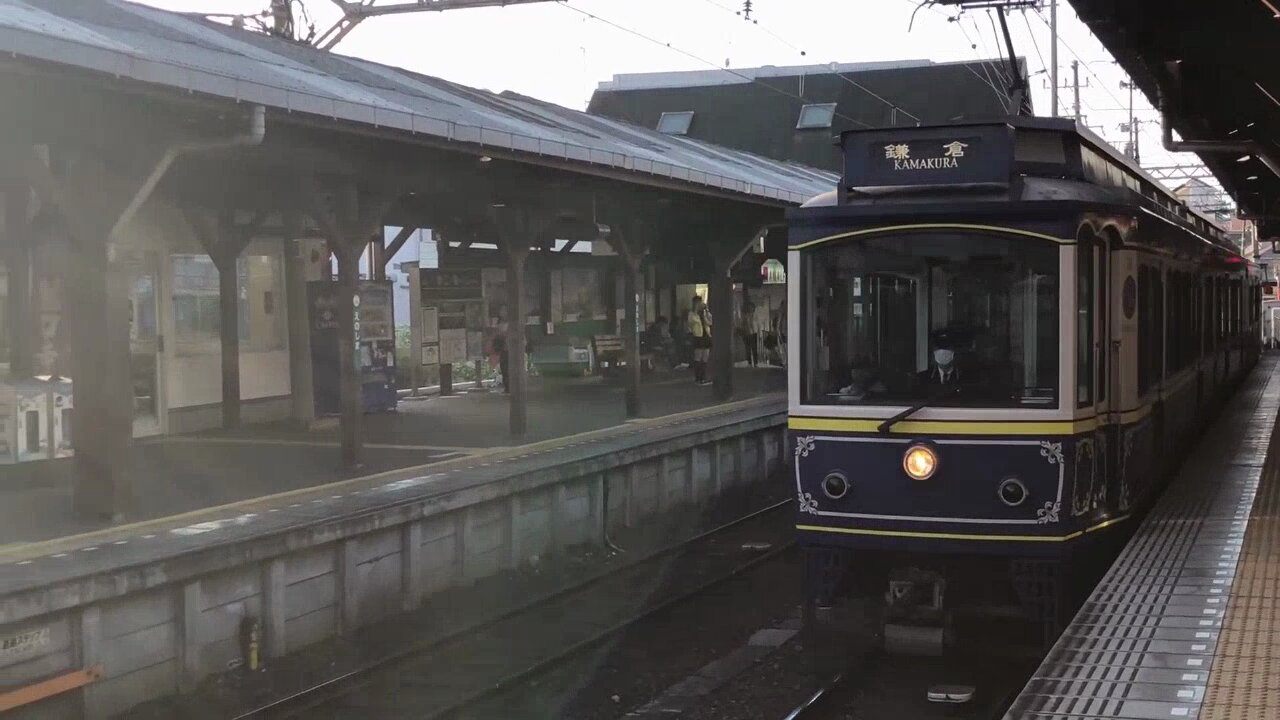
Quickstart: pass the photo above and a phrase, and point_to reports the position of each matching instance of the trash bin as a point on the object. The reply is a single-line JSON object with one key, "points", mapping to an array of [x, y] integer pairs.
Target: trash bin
{"points": [[61, 403], [8, 424]]}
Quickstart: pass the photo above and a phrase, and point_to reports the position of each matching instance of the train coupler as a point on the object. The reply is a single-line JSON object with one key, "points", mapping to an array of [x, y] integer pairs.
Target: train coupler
{"points": [[915, 617]]}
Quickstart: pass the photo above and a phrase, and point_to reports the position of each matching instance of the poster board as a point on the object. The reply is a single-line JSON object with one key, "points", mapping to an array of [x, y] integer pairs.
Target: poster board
{"points": [[453, 345], [453, 306]]}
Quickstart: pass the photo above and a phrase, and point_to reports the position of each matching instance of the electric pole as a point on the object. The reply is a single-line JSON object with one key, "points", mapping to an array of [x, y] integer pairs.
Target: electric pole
{"points": [[1075, 86], [1131, 127], [1053, 54]]}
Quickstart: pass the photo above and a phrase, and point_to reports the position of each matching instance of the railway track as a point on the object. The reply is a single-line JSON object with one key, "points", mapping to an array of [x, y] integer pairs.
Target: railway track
{"points": [[445, 677], [880, 687]]}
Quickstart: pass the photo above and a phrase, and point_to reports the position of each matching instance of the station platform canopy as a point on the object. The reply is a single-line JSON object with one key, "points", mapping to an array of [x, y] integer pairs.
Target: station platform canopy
{"points": [[182, 53], [1211, 69]]}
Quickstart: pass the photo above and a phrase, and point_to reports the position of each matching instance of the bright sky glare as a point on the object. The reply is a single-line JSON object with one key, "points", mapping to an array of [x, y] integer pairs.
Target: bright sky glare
{"points": [[554, 52]]}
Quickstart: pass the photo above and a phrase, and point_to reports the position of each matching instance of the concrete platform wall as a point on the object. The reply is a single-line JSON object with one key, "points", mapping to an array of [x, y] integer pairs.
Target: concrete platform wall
{"points": [[170, 635]]}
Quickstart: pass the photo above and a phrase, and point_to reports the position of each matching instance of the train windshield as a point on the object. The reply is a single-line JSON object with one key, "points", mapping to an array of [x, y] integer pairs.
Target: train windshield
{"points": [[890, 319]]}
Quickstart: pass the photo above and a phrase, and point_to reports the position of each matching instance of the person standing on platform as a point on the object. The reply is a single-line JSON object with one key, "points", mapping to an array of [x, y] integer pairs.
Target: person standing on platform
{"points": [[500, 348], [699, 326], [749, 327]]}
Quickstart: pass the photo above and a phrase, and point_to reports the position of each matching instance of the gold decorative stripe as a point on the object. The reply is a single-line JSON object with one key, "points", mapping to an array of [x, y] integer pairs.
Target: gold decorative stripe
{"points": [[963, 536], [934, 226], [948, 427]]}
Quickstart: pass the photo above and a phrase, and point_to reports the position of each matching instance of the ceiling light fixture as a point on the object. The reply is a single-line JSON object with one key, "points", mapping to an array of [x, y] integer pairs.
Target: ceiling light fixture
{"points": [[1243, 158], [1252, 177], [1269, 95], [1274, 12]]}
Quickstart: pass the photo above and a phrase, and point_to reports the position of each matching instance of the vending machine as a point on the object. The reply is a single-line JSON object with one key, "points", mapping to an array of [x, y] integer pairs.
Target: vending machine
{"points": [[374, 352]]}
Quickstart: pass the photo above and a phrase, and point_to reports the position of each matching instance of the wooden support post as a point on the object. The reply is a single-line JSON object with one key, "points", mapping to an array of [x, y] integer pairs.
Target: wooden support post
{"points": [[224, 241], [721, 291], [446, 379], [90, 200], [348, 349], [517, 227], [229, 331], [348, 224], [517, 372], [17, 245], [301, 380], [397, 242], [631, 247]]}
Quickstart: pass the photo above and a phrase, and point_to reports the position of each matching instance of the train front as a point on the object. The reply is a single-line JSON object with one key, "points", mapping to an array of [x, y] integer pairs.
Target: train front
{"points": [[931, 436]]}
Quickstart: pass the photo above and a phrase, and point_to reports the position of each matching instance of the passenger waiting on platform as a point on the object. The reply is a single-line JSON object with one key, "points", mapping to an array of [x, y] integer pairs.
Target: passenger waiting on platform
{"points": [[699, 326], [500, 349], [751, 326]]}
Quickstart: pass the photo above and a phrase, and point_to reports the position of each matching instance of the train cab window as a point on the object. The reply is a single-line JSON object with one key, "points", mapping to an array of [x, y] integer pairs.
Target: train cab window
{"points": [[899, 319], [1084, 323]]}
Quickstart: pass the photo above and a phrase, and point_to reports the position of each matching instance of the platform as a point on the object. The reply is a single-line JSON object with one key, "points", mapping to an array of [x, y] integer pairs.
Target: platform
{"points": [[1185, 623], [184, 473]]}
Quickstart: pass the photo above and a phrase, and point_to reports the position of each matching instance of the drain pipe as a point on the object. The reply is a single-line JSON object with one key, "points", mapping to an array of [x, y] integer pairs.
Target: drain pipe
{"points": [[253, 135], [1263, 153]]}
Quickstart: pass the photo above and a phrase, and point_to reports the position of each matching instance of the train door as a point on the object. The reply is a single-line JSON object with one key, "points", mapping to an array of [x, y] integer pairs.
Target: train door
{"points": [[1122, 361], [1098, 260]]}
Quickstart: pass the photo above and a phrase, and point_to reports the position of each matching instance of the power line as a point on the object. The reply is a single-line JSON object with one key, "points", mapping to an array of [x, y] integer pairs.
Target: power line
{"points": [[756, 23], [700, 59], [1002, 94], [864, 89], [995, 68], [1103, 85]]}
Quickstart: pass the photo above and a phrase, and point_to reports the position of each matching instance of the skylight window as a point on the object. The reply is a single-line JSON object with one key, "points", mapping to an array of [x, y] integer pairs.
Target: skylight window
{"points": [[816, 116], [675, 123]]}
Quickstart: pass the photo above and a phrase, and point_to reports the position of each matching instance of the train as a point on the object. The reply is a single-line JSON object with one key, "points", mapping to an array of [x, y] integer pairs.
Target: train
{"points": [[1002, 335]]}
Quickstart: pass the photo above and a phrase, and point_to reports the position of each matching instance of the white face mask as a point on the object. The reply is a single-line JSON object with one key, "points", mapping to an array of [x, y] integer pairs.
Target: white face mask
{"points": [[943, 357]]}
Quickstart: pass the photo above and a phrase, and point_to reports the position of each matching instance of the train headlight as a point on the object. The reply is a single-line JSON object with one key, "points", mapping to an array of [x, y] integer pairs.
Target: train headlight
{"points": [[1012, 492], [835, 485], [920, 462]]}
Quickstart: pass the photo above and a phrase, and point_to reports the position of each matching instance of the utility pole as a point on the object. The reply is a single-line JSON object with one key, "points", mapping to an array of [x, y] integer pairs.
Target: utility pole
{"points": [[1053, 54], [1131, 127], [1075, 86]]}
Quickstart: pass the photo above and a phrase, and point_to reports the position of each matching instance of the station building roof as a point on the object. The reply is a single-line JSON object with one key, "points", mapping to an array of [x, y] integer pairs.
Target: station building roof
{"points": [[189, 54], [792, 113]]}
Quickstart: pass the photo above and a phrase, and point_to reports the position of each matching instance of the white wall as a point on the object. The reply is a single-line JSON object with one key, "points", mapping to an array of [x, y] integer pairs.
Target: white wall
{"points": [[192, 374], [197, 379]]}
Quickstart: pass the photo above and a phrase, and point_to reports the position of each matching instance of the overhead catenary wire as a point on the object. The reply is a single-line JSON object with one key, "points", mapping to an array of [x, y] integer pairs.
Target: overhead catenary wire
{"points": [[1002, 94], [1141, 128], [686, 53], [854, 83], [756, 23]]}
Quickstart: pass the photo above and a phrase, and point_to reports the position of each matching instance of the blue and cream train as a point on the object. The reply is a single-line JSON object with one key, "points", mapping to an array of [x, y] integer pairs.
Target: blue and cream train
{"points": [[1002, 334]]}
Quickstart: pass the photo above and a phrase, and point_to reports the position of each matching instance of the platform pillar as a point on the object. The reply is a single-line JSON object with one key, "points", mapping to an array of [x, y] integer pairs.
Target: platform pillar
{"points": [[630, 241], [302, 392], [17, 254], [517, 370], [224, 241], [91, 202], [348, 222], [722, 331], [517, 227]]}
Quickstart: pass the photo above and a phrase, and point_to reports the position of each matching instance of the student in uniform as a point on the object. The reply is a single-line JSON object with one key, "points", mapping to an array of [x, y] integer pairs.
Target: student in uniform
{"points": [[699, 327]]}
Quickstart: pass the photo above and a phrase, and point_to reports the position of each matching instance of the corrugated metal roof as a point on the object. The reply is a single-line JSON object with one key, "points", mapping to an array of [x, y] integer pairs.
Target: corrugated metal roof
{"points": [[191, 54]]}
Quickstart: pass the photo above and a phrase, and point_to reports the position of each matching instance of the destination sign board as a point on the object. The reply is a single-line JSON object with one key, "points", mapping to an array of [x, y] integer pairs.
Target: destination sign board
{"points": [[928, 156]]}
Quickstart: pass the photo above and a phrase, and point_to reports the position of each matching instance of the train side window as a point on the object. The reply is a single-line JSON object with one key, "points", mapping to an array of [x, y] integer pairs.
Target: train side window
{"points": [[1084, 322], [1103, 282], [1158, 362]]}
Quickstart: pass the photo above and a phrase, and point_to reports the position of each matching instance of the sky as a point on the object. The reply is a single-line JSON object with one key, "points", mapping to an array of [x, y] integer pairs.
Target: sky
{"points": [[557, 51]]}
